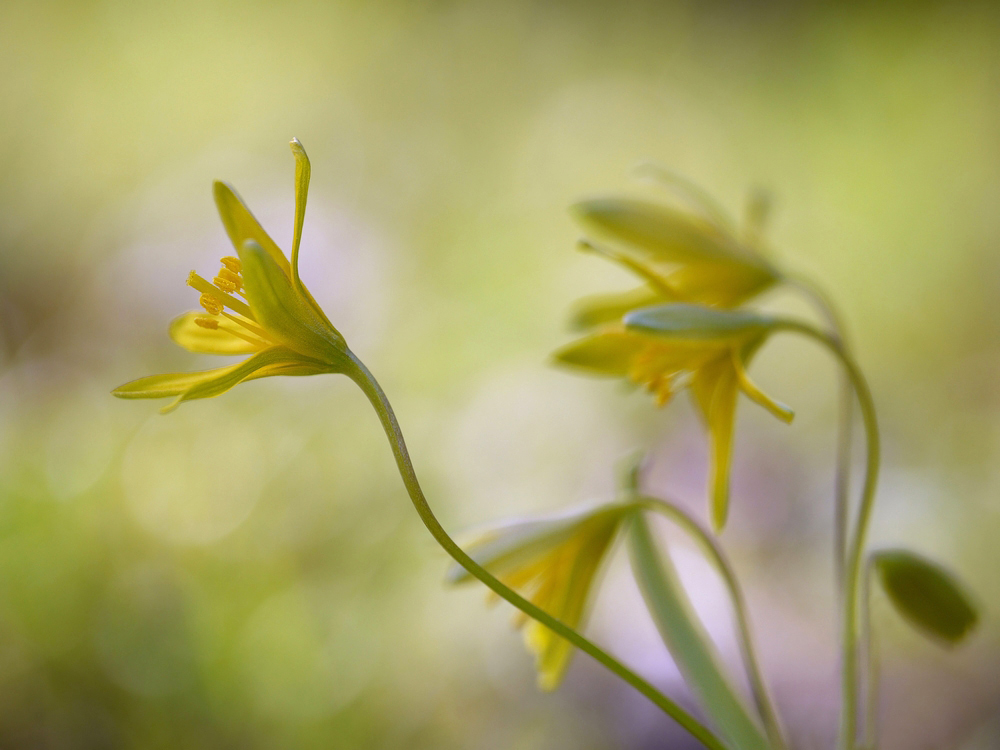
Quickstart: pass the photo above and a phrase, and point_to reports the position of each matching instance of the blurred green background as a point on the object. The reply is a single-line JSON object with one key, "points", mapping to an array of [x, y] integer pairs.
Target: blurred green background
{"points": [[247, 572]]}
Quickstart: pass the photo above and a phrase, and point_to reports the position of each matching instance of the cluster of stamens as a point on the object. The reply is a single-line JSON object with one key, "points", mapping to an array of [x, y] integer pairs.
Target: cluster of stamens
{"points": [[648, 369], [219, 295], [228, 278]]}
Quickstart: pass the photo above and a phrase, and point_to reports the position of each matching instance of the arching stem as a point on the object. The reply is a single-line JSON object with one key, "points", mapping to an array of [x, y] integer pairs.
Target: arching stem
{"points": [[357, 371], [853, 569], [845, 429]]}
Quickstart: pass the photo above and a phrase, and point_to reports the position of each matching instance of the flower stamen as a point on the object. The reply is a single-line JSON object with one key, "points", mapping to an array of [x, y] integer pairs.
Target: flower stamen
{"points": [[228, 281], [211, 304], [219, 295]]}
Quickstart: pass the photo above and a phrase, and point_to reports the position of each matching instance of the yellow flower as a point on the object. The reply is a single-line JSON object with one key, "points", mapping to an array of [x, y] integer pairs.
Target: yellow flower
{"points": [[256, 305], [669, 347], [682, 257], [552, 561]]}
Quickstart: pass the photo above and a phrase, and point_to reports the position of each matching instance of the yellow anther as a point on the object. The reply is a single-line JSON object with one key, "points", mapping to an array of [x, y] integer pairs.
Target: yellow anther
{"points": [[233, 264], [225, 273], [223, 298], [210, 323], [211, 304], [225, 284]]}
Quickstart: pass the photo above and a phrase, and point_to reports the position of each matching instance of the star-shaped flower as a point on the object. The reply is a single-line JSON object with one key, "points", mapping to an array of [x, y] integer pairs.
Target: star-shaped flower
{"points": [[670, 347], [256, 305], [553, 561]]}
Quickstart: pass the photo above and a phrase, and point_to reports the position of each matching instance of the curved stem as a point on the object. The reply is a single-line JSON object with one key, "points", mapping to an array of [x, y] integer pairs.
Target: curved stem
{"points": [[855, 550], [845, 429], [366, 381], [718, 558]]}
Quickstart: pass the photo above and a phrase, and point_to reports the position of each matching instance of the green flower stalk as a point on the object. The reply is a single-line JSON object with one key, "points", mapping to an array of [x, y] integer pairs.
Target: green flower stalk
{"points": [[258, 305]]}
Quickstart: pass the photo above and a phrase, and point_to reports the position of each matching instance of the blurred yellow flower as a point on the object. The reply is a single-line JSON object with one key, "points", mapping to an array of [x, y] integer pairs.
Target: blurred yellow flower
{"points": [[682, 257], [255, 305], [670, 347], [553, 561]]}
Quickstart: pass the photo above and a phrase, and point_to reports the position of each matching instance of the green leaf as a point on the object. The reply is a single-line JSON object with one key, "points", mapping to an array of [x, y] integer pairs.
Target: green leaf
{"points": [[926, 594], [698, 322], [689, 644]]}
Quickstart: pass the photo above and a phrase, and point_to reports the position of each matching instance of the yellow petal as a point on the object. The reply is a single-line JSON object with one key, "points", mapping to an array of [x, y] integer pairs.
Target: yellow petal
{"points": [[663, 233], [303, 170], [715, 388], [640, 266], [222, 340], [608, 308], [607, 353], [169, 384], [721, 284], [283, 312], [519, 543], [778, 409], [242, 226], [576, 570], [263, 364]]}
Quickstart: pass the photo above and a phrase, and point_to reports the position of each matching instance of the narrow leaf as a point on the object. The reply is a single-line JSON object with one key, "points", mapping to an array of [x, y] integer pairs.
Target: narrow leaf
{"points": [[687, 641]]}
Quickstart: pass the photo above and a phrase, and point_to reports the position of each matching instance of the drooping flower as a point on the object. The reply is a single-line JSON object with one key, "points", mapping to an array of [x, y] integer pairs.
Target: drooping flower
{"points": [[682, 256], [669, 347], [256, 305], [553, 561]]}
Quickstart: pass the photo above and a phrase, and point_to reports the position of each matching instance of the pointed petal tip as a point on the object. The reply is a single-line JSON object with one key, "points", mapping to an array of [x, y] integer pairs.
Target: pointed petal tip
{"points": [[172, 405], [548, 683], [720, 510]]}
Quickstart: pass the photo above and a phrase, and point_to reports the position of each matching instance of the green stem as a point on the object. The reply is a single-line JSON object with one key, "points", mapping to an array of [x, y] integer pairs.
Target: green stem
{"points": [[357, 371], [718, 558], [870, 727], [687, 640], [845, 430], [855, 550]]}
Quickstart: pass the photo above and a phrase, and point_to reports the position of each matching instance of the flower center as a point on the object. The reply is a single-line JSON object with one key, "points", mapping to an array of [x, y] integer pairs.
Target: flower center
{"points": [[218, 296]]}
